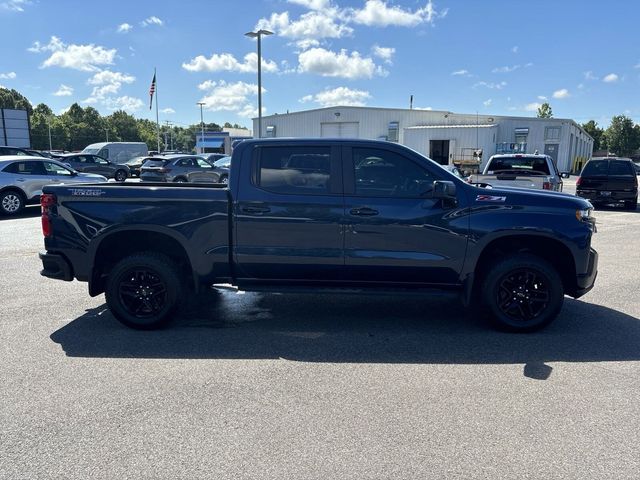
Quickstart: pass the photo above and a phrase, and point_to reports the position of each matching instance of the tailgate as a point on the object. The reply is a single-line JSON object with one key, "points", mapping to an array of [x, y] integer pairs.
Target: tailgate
{"points": [[519, 181]]}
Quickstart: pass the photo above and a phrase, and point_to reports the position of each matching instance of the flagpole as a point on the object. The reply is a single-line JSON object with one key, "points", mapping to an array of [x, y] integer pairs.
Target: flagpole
{"points": [[157, 116]]}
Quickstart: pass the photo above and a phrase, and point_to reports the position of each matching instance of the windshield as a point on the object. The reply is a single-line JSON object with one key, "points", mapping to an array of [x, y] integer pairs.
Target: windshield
{"points": [[223, 162], [537, 165]]}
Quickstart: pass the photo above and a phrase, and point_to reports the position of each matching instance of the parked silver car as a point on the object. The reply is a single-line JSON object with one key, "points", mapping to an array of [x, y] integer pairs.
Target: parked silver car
{"points": [[179, 168], [22, 179]]}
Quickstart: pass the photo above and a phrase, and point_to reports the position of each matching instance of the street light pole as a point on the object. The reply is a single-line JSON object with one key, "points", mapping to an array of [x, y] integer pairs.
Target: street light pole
{"points": [[201, 127], [49, 126], [258, 35]]}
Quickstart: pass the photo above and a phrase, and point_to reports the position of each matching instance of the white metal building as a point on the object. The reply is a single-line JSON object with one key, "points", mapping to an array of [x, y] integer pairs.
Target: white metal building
{"points": [[445, 137]]}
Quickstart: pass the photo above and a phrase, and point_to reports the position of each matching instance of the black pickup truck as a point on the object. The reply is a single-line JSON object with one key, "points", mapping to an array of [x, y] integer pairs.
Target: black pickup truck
{"points": [[322, 215]]}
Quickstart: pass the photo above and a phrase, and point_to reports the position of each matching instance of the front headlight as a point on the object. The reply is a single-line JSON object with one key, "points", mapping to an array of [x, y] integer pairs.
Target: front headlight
{"points": [[584, 215]]}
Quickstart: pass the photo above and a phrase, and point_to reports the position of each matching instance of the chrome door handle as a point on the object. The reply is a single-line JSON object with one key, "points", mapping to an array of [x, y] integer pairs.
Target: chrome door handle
{"points": [[364, 212], [255, 210]]}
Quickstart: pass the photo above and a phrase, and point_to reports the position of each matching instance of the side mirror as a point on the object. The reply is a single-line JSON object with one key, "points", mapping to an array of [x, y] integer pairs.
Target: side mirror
{"points": [[68, 165], [565, 174], [444, 189]]}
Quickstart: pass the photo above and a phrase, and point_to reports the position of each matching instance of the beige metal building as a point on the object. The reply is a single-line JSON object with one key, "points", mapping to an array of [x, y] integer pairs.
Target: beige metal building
{"points": [[446, 137]]}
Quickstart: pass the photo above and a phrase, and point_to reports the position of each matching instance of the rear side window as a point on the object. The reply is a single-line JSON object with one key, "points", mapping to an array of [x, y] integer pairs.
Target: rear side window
{"points": [[595, 167], [294, 170], [620, 167], [25, 168]]}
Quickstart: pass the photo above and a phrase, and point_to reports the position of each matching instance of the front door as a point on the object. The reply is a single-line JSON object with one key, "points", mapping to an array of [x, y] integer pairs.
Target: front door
{"points": [[394, 232], [439, 151], [289, 219], [551, 149]]}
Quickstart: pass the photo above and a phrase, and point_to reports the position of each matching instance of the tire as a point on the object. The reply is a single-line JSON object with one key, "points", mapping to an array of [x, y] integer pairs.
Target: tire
{"points": [[120, 175], [537, 292], [224, 179], [632, 205], [180, 180], [11, 202], [144, 290]]}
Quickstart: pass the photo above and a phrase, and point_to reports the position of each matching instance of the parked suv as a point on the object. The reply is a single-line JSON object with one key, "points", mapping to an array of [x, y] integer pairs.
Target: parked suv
{"points": [[180, 169], [22, 179], [88, 163], [609, 180]]}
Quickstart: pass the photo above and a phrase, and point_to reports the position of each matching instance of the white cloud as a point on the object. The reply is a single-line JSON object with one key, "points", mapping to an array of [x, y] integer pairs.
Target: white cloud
{"points": [[543, 98], [107, 83], [77, 57], [590, 76], [380, 14], [491, 85], [64, 91], [226, 62], [124, 27], [338, 96], [338, 64], [126, 103], [309, 29], [232, 97], [532, 107], [462, 73], [152, 20], [312, 4], [167, 110], [487, 102], [515, 49], [611, 78], [580, 86], [8, 76], [560, 94], [385, 53], [14, 5], [505, 69]]}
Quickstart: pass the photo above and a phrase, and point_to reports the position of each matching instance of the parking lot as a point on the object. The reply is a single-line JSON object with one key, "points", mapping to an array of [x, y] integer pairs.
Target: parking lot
{"points": [[316, 386]]}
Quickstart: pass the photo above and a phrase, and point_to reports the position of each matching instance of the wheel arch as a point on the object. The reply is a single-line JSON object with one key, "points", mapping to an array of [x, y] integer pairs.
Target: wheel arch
{"points": [[111, 248], [551, 249]]}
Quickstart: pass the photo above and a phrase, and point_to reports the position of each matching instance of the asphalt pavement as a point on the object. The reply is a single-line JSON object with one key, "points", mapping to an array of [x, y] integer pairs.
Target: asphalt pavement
{"points": [[264, 386]]}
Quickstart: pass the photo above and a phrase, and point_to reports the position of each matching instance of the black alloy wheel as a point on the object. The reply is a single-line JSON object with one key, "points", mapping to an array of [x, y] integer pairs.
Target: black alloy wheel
{"points": [[522, 293], [143, 290], [120, 175], [224, 179]]}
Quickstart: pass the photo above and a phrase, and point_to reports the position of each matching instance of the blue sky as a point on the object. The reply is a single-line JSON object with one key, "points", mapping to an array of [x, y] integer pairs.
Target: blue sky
{"points": [[494, 56]]}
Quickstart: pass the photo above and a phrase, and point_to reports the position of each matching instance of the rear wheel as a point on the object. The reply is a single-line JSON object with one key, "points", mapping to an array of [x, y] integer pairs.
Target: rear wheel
{"points": [[224, 179], [523, 293], [180, 180], [632, 205], [11, 202], [143, 290], [120, 175]]}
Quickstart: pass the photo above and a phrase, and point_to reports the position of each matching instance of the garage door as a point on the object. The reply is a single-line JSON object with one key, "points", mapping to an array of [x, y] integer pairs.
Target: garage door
{"points": [[340, 129]]}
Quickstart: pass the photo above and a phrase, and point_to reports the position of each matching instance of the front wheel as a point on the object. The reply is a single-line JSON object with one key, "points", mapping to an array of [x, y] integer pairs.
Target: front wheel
{"points": [[120, 176], [143, 290], [523, 293]]}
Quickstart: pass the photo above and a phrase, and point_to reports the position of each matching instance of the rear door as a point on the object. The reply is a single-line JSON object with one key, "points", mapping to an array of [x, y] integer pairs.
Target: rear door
{"points": [[288, 217], [394, 233], [29, 176]]}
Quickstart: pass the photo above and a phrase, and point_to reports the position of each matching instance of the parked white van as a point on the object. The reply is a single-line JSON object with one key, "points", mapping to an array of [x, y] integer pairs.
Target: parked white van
{"points": [[118, 152]]}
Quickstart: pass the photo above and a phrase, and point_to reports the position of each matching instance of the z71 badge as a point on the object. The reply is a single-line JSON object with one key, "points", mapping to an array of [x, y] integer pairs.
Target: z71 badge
{"points": [[490, 198], [86, 192]]}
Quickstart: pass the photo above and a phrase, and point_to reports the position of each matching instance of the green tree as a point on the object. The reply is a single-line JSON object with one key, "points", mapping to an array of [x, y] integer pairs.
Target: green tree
{"points": [[14, 99], [544, 111], [622, 138], [125, 127], [591, 127]]}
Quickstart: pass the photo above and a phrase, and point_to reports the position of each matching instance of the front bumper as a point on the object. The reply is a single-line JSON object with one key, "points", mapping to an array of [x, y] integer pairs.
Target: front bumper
{"points": [[585, 282], [55, 266]]}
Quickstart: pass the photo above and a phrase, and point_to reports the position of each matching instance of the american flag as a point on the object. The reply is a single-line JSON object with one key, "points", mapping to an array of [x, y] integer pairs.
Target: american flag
{"points": [[152, 90]]}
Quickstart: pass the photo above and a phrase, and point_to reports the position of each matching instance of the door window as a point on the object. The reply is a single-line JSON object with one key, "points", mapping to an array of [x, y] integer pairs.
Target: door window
{"points": [[294, 170], [55, 169], [202, 164], [25, 168], [100, 161], [382, 173], [83, 159]]}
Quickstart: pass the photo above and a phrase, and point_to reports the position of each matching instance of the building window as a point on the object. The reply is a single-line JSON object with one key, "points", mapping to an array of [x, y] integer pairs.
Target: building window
{"points": [[271, 131], [394, 129], [521, 135], [552, 133]]}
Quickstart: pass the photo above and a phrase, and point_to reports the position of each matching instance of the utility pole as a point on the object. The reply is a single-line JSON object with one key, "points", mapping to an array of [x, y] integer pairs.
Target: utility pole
{"points": [[201, 127], [170, 134], [49, 126], [258, 35]]}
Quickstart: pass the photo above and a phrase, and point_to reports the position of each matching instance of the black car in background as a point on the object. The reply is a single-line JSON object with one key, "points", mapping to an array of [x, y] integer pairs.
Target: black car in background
{"points": [[88, 163], [135, 164], [609, 180]]}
